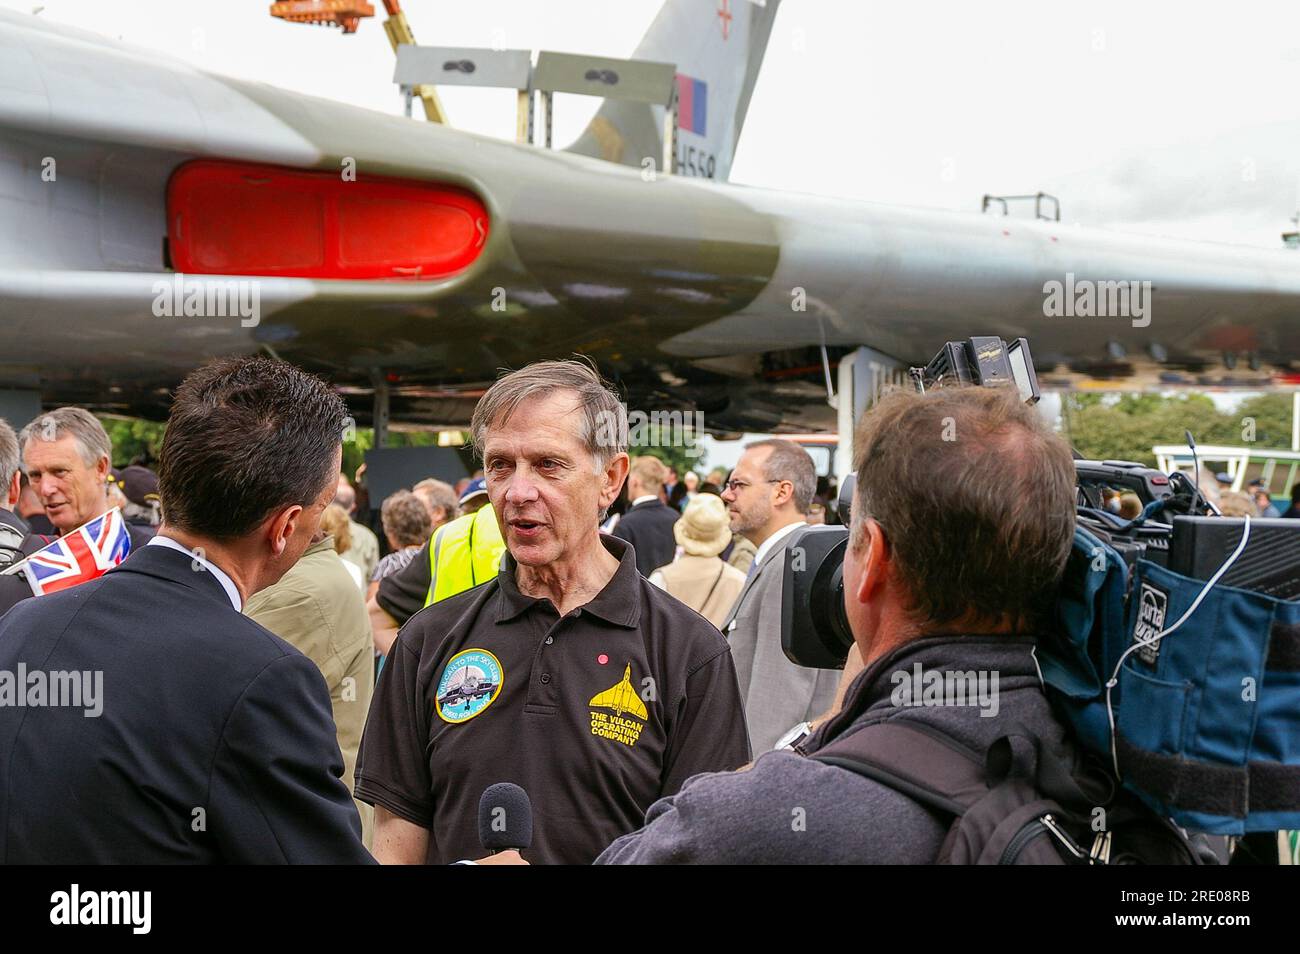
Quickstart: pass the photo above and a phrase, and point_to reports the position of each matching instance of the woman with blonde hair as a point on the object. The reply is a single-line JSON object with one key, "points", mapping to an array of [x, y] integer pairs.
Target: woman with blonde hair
{"points": [[334, 521]]}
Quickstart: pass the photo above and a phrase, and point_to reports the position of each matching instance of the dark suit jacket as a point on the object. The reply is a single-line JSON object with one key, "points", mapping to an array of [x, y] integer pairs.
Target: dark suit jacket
{"points": [[215, 742], [649, 528]]}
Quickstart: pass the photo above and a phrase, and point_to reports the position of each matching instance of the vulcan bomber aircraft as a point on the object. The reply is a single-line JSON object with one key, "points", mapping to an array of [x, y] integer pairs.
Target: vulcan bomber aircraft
{"points": [[153, 215]]}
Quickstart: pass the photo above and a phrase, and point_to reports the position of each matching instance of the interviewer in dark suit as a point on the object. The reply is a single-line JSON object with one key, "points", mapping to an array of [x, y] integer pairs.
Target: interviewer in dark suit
{"points": [[213, 740]]}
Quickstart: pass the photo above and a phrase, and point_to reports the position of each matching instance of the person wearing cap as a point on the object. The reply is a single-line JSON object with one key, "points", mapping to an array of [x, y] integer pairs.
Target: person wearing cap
{"points": [[698, 577], [1263, 502], [139, 488], [475, 496]]}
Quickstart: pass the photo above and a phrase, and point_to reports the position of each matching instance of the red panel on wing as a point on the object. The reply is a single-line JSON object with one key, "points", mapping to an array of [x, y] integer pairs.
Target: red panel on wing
{"points": [[233, 218]]}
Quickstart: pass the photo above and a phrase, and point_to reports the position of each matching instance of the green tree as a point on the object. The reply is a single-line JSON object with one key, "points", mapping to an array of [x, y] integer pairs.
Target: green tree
{"points": [[668, 445], [1263, 421], [1126, 427], [133, 439]]}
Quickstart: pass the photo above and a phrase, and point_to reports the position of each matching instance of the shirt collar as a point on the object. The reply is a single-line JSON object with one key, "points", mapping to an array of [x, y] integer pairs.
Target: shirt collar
{"points": [[771, 542], [218, 574], [324, 543], [619, 602], [646, 499]]}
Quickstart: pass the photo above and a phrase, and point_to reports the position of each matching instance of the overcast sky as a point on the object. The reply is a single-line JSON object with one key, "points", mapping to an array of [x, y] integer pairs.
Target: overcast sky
{"points": [[1170, 118]]}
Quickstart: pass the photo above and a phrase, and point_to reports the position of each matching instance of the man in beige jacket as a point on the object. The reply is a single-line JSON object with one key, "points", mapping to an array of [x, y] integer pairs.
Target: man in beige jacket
{"points": [[318, 609], [698, 577]]}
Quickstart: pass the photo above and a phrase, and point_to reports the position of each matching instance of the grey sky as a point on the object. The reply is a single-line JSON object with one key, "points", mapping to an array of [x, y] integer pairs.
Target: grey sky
{"points": [[1170, 118]]}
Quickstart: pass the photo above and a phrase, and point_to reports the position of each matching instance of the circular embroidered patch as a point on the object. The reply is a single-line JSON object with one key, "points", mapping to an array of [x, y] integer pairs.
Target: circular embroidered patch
{"points": [[469, 684]]}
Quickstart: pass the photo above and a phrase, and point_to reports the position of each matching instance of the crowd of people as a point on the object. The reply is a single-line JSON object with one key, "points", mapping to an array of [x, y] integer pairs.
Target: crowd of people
{"points": [[1255, 501], [279, 686]]}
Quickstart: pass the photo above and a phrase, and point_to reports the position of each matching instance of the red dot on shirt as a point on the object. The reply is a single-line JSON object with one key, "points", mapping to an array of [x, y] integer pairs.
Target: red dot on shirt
{"points": [[602, 659]]}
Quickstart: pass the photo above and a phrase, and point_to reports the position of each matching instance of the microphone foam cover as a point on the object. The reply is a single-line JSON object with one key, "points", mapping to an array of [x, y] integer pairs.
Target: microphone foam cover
{"points": [[505, 817]]}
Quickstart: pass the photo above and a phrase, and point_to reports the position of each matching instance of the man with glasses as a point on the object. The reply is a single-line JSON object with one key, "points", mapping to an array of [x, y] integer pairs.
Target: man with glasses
{"points": [[767, 499]]}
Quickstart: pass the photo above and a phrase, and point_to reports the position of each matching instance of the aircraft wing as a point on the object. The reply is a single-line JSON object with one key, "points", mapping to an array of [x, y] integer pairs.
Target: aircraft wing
{"points": [[663, 280]]}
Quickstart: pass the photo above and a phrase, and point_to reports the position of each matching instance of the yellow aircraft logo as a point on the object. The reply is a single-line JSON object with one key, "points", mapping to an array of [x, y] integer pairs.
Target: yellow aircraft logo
{"points": [[621, 698]]}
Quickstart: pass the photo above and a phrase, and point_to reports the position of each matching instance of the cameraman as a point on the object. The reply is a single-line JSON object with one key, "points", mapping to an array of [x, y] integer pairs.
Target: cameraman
{"points": [[962, 522]]}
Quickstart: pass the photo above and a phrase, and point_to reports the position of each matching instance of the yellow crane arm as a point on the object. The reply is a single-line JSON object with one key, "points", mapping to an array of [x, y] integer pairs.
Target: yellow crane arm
{"points": [[399, 32]]}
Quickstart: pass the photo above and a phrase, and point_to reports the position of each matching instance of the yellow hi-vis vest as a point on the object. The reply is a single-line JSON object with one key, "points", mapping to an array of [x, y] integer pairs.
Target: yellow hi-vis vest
{"points": [[464, 553]]}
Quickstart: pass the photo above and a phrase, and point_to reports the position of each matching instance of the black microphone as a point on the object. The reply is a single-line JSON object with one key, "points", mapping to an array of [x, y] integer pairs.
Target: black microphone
{"points": [[505, 818]]}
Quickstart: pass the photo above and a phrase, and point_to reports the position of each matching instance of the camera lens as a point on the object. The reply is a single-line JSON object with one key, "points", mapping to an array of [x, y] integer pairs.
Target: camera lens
{"points": [[814, 628]]}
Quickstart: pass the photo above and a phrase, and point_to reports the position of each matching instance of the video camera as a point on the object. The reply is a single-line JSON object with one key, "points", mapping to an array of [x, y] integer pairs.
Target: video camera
{"points": [[814, 628], [1172, 655]]}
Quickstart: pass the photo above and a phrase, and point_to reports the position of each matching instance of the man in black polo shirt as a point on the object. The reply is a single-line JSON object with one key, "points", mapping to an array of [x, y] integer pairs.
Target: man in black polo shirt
{"points": [[569, 674]]}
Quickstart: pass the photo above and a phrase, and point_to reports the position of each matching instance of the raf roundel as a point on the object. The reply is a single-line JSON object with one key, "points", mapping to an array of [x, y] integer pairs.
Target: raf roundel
{"points": [[470, 683]]}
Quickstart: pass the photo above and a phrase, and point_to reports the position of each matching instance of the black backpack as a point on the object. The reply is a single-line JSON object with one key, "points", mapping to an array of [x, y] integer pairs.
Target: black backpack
{"points": [[11, 542], [1016, 805]]}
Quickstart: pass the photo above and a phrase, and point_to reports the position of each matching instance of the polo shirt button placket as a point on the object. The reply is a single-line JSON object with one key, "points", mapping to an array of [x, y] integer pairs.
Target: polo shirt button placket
{"points": [[547, 679]]}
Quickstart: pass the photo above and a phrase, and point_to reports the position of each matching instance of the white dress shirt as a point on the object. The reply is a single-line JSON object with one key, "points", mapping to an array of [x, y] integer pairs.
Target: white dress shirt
{"points": [[775, 539]]}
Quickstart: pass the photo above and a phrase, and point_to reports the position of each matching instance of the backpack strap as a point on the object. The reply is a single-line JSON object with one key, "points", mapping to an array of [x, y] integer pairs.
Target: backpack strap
{"points": [[915, 760], [994, 812]]}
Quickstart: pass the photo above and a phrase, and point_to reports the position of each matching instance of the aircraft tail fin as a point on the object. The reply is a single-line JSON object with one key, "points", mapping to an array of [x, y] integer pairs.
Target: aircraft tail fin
{"points": [[718, 47]]}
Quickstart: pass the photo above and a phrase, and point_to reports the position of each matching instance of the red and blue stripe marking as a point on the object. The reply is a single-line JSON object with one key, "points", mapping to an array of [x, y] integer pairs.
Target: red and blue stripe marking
{"points": [[692, 104]]}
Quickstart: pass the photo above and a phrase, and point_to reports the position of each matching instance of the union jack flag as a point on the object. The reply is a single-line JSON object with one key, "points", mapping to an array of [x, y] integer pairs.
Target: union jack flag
{"points": [[91, 550]]}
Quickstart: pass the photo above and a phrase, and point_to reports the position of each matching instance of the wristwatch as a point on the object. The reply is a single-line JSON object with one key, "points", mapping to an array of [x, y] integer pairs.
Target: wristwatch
{"points": [[794, 736]]}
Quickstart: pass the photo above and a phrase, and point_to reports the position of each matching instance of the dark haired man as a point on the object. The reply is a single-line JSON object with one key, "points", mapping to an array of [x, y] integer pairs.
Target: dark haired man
{"points": [[962, 521], [183, 731]]}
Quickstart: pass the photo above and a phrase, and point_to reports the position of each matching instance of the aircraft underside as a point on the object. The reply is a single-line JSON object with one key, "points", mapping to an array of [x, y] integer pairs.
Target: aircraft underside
{"points": [[126, 181]]}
